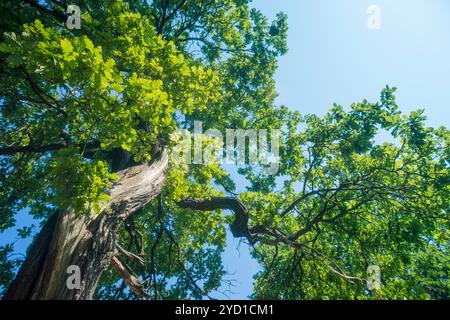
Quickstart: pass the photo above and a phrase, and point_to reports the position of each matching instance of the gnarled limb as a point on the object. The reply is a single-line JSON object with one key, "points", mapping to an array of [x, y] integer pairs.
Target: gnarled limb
{"points": [[240, 228], [133, 283]]}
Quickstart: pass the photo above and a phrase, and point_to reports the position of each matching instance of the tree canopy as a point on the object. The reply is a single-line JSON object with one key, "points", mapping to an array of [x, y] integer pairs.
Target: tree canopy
{"points": [[364, 185]]}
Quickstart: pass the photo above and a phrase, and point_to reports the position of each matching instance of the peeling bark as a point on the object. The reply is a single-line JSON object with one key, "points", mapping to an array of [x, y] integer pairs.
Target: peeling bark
{"points": [[86, 240]]}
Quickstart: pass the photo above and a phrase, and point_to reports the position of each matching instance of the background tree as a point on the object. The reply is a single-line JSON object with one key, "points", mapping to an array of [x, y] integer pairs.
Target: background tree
{"points": [[85, 110], [87, 117]]}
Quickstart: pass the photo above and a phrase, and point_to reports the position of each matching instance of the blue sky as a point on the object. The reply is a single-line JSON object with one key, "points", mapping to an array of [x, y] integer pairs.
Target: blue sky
{"points": [[334, 57]]}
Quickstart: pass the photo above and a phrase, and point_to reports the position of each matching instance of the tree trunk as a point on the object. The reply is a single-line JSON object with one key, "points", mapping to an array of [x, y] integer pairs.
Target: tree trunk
{"points": [[84, 240]]}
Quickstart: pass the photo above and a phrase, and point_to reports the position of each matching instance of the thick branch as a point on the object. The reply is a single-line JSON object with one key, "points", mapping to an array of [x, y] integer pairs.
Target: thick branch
{"points": [[239, 227], [134, 283]]}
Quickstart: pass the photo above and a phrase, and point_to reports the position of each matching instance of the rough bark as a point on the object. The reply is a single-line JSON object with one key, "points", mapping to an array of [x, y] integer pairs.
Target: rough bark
{"points": [[86, 240]]}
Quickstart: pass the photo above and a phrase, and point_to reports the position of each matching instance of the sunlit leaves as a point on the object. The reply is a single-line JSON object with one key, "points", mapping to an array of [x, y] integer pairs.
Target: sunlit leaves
{"points": [[101, 89]]}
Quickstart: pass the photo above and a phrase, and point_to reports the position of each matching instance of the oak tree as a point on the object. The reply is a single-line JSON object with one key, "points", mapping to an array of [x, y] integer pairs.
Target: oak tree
{"points": [[87, 123]]}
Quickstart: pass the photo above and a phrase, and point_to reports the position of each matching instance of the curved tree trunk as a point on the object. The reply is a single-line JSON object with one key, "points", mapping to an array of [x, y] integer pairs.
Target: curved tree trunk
{"points": [[84, 240]]}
